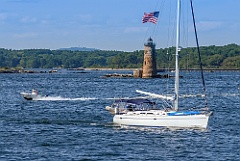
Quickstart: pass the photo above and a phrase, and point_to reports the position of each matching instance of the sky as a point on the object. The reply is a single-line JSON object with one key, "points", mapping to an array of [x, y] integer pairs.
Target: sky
{"points": [[114, 24]]}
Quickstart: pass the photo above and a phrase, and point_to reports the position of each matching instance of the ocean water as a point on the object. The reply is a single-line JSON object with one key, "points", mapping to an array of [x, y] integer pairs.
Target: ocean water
{"points": [[72, 123]]}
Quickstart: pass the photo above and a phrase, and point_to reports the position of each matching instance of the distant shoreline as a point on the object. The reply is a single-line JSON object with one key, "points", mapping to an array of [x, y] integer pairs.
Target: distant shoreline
{"points": [[162, 70], [17, 70]]}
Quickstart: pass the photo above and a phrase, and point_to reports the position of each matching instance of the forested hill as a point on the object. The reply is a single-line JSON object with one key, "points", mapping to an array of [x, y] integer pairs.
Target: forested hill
{"points": [[223, 57]]}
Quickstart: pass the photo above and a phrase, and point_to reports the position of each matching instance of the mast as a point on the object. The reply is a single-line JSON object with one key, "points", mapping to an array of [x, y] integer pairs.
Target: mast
{"points": [[177, 57]]}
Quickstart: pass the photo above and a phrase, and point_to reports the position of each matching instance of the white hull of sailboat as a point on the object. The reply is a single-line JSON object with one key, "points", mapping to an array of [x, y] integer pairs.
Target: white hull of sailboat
{"points": [[188, 121]]}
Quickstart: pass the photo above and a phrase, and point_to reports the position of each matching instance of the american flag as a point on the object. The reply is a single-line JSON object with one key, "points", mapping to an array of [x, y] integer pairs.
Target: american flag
{"points": [[150, 17]]}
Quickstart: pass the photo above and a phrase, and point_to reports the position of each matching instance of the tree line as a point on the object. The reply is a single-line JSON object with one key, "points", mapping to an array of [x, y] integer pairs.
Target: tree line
{"points": [[223, 57]]}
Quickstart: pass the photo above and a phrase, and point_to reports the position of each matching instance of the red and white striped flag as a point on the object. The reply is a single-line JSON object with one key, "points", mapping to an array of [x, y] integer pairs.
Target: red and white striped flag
{"points": [[150, 17]]}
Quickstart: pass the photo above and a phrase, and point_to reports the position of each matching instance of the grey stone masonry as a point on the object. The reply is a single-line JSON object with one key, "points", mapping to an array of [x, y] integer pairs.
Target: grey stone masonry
{"points": [[149, 69]]}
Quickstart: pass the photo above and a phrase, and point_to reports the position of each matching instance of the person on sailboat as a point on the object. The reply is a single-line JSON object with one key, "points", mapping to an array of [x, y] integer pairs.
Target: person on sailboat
{"points": [[129, 107]]}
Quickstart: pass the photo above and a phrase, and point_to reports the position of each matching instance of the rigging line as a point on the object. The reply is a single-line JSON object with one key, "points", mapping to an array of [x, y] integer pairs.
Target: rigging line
{"points": [[184, 45], [156, 27], [184, 26], [199, 55], [148, 28], [187, 25], [187, 53], [168, 39], [173, 32], [171, 35], [156, 5], [169, 22]]}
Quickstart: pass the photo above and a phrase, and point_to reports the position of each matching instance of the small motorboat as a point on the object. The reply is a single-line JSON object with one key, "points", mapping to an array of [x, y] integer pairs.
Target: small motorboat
{"points": [[30, 96]]}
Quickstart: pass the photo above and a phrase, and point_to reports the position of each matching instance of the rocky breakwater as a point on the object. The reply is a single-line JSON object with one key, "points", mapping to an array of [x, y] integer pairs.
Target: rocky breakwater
{"points": [[18, 70]]}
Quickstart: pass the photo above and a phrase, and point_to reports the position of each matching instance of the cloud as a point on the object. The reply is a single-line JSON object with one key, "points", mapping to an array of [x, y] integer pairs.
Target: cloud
{"points": [[3, 16], [28, 19], [135, 29], [26, 35], [85, 17], [208, 25], [6, 18]]}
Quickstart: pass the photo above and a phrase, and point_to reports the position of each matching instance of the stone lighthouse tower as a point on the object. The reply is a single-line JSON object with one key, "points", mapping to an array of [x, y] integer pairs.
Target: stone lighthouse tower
{"points": [[149, 62]]}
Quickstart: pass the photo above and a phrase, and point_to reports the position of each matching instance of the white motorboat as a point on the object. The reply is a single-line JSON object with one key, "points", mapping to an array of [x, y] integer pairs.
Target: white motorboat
{"points": [[31, 96]]}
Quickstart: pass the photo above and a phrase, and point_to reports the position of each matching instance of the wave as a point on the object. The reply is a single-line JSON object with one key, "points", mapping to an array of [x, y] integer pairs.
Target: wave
{"points": [[191, 95]]}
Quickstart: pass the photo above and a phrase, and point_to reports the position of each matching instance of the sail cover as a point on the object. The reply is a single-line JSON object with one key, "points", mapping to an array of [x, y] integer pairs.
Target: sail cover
{"points": [[136, 101]]}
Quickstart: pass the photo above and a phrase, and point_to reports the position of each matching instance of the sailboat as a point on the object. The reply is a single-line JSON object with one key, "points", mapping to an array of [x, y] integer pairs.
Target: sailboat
{"points": [[144, 113]]}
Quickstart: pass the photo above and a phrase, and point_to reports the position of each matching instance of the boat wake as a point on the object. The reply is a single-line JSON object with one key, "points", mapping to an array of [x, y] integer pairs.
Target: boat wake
{"points": [[149, 95], [59, 98]]}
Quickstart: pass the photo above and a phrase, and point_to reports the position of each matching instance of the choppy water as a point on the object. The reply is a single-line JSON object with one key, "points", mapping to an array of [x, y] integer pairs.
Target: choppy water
{"points": [[72, 123]]}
